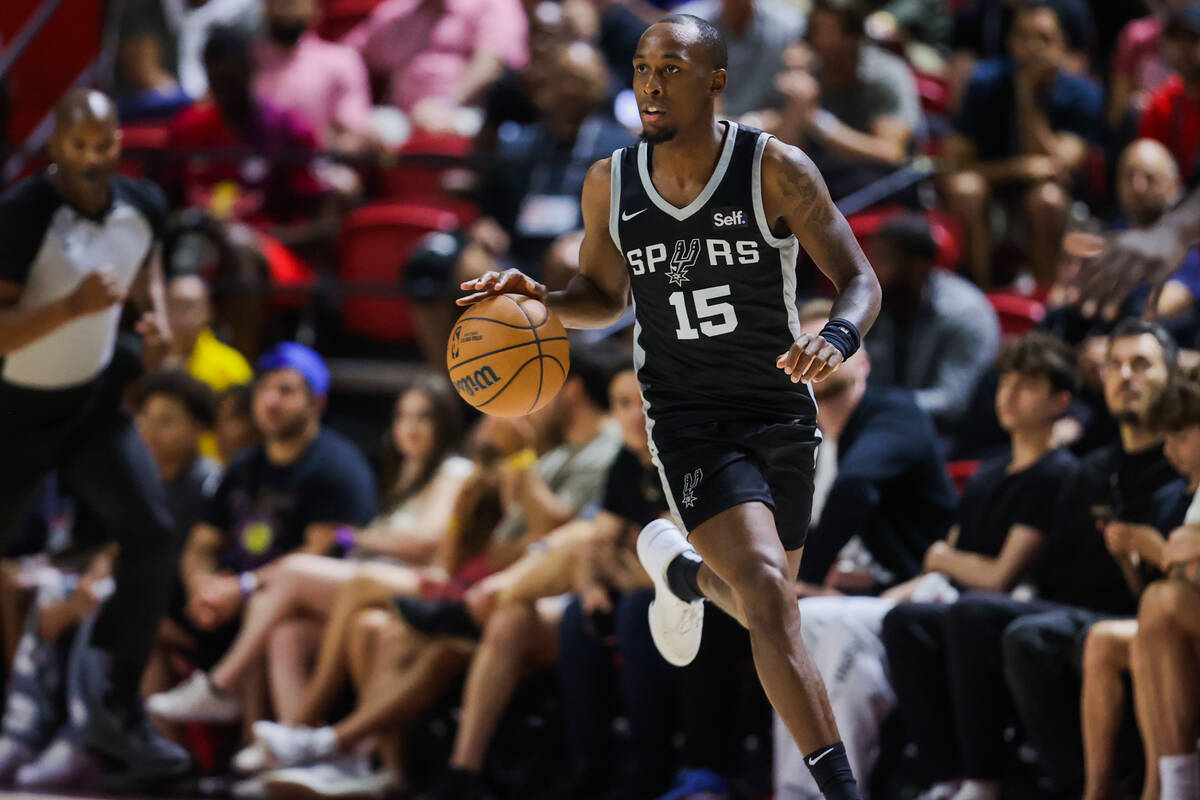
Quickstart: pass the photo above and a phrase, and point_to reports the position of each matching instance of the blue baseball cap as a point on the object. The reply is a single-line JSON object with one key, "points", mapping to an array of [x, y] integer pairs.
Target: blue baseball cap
{"points": [[297, 357]]}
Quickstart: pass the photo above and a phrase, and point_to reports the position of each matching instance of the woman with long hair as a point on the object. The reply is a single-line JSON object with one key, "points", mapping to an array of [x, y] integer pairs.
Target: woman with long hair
{"points": [[422, 479]]}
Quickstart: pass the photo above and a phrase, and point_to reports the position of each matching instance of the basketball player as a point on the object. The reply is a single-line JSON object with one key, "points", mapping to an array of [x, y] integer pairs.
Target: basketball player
{"points": [[703, 220], [75, 241]]}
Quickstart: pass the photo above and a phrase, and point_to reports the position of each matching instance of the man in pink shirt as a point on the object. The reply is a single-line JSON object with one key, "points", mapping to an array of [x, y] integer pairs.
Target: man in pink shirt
{"points": [[1138, 67], [439, 55], [323, 83]]}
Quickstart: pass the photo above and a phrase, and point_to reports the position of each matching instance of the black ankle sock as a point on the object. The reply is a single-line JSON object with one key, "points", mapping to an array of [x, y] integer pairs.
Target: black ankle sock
{"points": [[831, 770], [682, 575]]}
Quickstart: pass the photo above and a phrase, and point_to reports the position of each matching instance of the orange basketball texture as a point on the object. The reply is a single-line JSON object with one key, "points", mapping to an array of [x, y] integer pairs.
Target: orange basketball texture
{"points": [[508, 355]]}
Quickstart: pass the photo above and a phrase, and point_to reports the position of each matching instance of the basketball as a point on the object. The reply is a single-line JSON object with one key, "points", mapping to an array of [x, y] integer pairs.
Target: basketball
{"points": [[508, 355]]}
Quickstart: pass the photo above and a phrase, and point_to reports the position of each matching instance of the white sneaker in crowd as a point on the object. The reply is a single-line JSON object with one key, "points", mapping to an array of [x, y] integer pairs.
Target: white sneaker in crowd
{"points": [[252, 759], [675, 624], [940, 791], [195, 700], [345, 778], [252, 788], [286, 746]]}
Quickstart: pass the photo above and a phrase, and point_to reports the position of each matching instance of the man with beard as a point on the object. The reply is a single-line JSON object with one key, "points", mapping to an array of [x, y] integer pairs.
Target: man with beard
{"points": [[702, 222], [289, 493], [936, 332], [951, 673], [323, 83], [75, 242]]}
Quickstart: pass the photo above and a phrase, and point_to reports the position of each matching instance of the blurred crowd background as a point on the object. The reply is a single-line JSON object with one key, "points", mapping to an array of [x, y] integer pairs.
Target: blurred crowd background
{"points": [[383, 593]]}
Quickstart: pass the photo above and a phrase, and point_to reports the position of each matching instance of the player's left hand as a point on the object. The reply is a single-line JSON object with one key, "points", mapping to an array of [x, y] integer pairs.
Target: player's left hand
{"points": [[811, 359]]}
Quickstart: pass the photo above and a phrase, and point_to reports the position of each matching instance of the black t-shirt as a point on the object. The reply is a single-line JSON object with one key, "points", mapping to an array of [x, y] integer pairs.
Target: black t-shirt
{"points": [[633, 491], [995, 500], [189, 494], [1076, 567], [1171, 503], [264, 508]]}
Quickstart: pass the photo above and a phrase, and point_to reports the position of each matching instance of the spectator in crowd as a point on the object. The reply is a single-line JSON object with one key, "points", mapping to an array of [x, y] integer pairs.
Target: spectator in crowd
{"points": [[1147, 186], [153, 93], [1138, 66], [612, 594], [543, 494], [323, 83], [207, 358], [234, 430], [196, 348], [1108, 651], [272, 187], [880, 471], [937, 670], [174, 414], [1164, 659], [522, 632], [192, 21], [290, 493], [439, 59], [174, 410], [397, 673], [1021, 132], [858, 111], [41, 749], [42, 746], [422, 478], [981, 30], [279, 206], [530, 194], [756, 33], [1002, 524], [936, 333], [1172, 114]]}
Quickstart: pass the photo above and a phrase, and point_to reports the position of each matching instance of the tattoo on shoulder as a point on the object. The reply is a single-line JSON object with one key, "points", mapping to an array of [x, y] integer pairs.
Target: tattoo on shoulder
{"points": [[803, 196]]}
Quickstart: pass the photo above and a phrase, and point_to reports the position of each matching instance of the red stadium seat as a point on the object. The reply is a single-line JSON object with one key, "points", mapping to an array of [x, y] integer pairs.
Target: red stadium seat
{"points": [[375, 245], [142, 147], [338, 17], [1018, 315], [945, 229], [961, 472], [422, 183]]}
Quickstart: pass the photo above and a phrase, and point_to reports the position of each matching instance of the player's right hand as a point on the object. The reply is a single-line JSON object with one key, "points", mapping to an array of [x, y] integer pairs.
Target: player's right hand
{"points": [[98, 291], [510, 281]]}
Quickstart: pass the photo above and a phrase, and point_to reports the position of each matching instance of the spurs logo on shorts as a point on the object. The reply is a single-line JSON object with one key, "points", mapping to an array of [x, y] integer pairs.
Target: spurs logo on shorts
{"points": [[690, 482]]}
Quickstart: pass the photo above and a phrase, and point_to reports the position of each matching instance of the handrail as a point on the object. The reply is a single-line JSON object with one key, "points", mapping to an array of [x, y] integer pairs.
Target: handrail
{"points": [[28, 33]]}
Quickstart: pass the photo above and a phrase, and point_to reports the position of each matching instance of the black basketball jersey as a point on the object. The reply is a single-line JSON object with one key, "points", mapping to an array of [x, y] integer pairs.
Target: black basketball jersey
{"points": [[714, 291]]}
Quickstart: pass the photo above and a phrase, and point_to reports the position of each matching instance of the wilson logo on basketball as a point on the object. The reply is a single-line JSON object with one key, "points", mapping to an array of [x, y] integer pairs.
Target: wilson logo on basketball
{"points": [[458, 338], [477, 381]]}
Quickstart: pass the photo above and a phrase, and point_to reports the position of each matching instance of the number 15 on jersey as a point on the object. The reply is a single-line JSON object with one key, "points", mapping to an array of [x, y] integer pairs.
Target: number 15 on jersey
{"points": [[715, 318]]}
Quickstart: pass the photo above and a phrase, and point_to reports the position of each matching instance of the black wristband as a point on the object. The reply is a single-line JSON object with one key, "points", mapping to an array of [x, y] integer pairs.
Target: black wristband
{"points": [[843, 335]]}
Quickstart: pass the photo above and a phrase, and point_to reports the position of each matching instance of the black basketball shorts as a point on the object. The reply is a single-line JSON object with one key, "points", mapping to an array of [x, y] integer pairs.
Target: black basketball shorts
{"points": [[713, 466]]}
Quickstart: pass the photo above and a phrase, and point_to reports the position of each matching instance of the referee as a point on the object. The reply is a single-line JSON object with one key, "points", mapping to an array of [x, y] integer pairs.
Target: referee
{"points": [[75, 241]]}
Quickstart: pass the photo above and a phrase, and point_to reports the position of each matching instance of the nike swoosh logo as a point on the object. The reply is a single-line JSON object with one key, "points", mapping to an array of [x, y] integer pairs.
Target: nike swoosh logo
{"points": [[626, 217], [812, 762]]}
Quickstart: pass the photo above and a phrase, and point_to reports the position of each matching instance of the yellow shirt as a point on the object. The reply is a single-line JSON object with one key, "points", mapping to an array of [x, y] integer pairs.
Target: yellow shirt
{"points": [[217, 364], [220, 366]]}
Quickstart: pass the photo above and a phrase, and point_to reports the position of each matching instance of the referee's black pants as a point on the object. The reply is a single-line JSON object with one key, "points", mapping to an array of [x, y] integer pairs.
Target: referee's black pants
{"points": [[947, 669], [85, 436]]}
